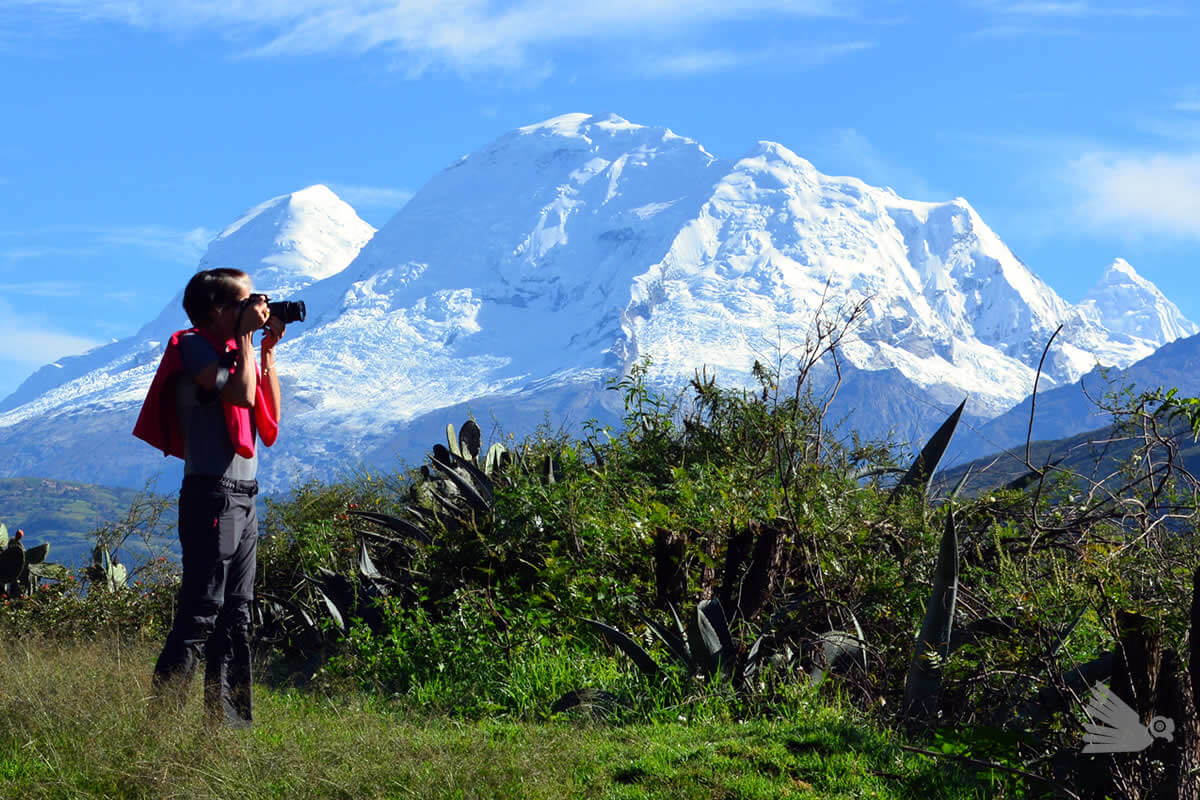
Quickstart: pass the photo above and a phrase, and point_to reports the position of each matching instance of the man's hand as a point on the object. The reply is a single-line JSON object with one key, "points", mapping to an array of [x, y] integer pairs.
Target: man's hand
{"points": [[253, 315], [273, 334]]}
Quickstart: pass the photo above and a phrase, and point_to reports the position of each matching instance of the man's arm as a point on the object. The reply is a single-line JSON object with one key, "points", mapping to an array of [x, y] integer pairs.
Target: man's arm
{"points": [[271, 392], [239, 387]]}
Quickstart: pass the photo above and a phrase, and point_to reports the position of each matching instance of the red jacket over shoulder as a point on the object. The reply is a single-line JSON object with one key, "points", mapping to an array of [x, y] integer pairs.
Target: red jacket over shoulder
{"points": [[158, 421]]}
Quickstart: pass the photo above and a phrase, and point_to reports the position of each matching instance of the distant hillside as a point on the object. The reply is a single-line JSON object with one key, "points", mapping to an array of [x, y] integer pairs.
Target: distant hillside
{"points": [[1093, 454], [63, 513]]}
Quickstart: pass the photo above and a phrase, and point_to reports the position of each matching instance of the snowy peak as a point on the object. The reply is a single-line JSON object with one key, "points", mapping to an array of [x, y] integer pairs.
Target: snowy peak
{"points": [[291, 240], [1129, 305], [561, 252], [285, 244]]}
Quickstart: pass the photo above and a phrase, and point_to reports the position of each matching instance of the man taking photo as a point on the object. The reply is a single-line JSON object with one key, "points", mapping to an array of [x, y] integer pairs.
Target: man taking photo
{"points": [[208, 404]]}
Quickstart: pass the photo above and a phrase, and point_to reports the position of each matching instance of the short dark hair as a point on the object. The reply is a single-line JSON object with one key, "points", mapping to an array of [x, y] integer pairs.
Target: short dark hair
{"points": [[210, 289]]}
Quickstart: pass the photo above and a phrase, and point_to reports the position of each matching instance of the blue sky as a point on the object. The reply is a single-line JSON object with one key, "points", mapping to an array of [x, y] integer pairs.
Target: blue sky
{"points": [[132, 131]]}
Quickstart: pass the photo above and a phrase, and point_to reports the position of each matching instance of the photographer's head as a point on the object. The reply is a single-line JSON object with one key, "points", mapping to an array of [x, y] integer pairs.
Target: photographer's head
{"points": [[211, 290]]}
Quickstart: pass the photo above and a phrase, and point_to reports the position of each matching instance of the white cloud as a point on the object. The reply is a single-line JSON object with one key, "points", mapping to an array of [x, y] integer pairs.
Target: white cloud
{"points": [[168, 244], [1141, 194], [67, 289], [183, 247], [462, 34], [29, 252], [696, 62], [374, 197], [31, 340], [1187, 101], [1075, 8]]}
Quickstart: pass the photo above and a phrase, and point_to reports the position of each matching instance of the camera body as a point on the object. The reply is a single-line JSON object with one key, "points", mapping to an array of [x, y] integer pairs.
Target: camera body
{"points": [[287, 311]]}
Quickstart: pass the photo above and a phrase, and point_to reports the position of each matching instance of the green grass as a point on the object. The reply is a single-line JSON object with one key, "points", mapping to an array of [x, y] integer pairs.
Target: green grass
{"points": [[76, 724]]}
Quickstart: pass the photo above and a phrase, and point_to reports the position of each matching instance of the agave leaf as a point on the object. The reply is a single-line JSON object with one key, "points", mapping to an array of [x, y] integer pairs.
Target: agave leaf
{"points": [[397, 524], [755, 650], [838, 650], [441, 453], [470, 440], [452, 440], [623, 642], [332, 608], [36, 555], [426, 516], [674, 643], [597, 702], [877, 472], [926, 463], [924, 679], [958, 487], [714, 631], [483, 484], [474, 498], [679, 625], [367, 568], [1029, 478]]}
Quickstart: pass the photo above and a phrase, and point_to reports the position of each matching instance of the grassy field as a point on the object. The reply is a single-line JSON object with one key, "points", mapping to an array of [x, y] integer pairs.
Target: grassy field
{"points": [[76, 725]]}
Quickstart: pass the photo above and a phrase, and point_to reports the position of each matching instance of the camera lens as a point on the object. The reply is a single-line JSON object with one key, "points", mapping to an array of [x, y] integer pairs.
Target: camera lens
{"points": [[288, 310]]}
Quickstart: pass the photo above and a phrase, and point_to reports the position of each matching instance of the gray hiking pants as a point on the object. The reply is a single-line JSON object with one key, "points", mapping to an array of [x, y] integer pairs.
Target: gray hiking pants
{"points": [[218, 534]]}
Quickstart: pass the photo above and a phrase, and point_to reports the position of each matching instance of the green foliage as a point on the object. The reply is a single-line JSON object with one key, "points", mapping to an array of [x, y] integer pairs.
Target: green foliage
{"points": [[498, 577]]}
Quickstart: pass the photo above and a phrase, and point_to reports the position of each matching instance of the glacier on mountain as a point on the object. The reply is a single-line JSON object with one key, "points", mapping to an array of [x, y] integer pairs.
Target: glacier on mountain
{"points": [[525, 274]]}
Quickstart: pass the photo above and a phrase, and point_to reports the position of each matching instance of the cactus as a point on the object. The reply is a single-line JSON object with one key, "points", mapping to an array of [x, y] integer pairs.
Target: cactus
{"points": [[470, 441], [21, 569], [106, 570], [452, 440], [12, 567], [492, 462]]}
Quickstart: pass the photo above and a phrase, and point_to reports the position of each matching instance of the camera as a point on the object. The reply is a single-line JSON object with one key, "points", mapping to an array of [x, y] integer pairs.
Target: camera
{"points": [[287, 310]]}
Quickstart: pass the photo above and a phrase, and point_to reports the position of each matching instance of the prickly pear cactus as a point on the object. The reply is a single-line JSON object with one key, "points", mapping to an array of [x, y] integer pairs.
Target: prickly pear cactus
{"points": [[21, 569], [106, 571], [491, 463]]}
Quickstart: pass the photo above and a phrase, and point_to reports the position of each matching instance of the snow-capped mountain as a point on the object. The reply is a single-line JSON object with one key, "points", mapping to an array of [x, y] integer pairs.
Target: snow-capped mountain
{"points": [[1126, 304], [521, 276]]}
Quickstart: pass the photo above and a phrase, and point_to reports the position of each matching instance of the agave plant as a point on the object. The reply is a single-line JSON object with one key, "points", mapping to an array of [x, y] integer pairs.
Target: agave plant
{"points": [[708, 649], [452, 501]]}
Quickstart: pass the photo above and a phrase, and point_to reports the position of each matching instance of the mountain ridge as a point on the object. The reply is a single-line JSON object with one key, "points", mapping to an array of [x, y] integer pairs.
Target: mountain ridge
{"points": [[563, 252]]}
